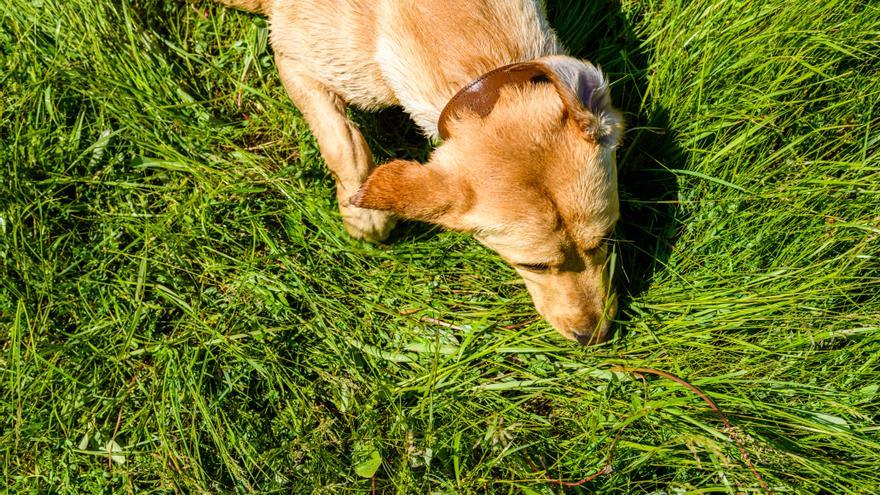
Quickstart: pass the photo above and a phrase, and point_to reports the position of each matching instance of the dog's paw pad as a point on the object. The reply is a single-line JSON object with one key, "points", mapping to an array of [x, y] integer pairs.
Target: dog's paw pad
{"points": [[370, 225]]}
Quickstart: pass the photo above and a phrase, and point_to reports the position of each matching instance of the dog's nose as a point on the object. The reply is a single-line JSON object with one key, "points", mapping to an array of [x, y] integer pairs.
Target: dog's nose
{"points": [[594, 332]]}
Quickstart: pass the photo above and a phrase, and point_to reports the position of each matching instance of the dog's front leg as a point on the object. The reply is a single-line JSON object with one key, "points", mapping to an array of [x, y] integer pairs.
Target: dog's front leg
{"points": [[343, 147]]}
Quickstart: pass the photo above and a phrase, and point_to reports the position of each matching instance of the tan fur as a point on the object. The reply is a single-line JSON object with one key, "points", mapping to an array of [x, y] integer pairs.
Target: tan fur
{"points": [[535, 180], [251, 5]]}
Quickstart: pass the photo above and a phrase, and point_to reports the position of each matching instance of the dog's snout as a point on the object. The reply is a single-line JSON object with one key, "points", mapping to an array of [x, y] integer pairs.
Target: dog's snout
{"points": [[591, 327], [582, 319], [594, 332]]}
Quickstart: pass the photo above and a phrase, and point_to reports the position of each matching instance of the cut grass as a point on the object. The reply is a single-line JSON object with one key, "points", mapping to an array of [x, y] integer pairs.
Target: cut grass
{"points": [[174, 276]]}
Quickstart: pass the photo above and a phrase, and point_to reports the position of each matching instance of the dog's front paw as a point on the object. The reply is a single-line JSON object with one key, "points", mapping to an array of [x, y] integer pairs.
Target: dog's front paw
{"points": [[370, 225]]}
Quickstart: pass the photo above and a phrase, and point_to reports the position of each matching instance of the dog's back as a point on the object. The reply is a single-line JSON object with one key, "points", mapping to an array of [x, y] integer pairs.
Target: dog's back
{"points": [[333, 41], [416, 53]]}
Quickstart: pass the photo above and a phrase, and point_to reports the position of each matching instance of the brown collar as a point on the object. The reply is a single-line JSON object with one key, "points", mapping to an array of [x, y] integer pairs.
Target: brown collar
{"points": [[481, 94]]}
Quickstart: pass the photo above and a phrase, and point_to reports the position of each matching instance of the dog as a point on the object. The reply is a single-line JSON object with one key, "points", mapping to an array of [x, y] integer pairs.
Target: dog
{"points": [[527, 161]]}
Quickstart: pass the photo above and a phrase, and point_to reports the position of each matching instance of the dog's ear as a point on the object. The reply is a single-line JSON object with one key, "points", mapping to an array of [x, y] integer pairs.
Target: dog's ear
{"points": [[587, 96], [411, 190]]}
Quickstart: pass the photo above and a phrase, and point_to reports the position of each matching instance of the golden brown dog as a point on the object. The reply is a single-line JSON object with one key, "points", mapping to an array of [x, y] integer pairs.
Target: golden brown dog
{"points": [[527, 162]]}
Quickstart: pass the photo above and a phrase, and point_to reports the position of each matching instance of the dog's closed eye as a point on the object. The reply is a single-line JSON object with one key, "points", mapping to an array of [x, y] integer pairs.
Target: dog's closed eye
{"points": [[534, 267]]}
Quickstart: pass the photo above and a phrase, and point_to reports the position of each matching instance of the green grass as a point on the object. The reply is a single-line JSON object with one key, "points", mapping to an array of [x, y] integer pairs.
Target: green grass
{"points": [[174, 273]]}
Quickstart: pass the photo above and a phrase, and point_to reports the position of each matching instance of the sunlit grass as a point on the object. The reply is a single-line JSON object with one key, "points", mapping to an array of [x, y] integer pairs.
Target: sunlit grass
{"points": [[175, 279]]}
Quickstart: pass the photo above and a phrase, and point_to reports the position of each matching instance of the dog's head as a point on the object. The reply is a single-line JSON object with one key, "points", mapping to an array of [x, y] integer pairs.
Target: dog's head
{"points": [[529, 170]]}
